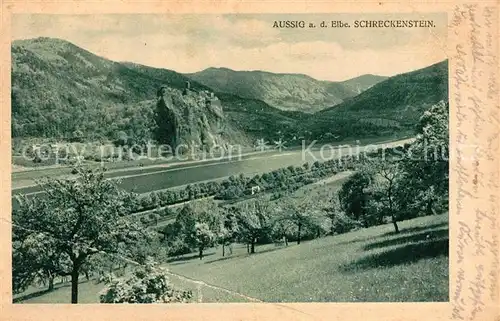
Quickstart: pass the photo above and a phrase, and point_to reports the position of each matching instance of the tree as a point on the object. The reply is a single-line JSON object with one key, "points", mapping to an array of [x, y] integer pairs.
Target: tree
{"points": [[149, 283], [205, 237], [81, 217], [253, 220], [281, 228], [35, 257], [231, 192], [333, 212], [228, 230], [198, 224], [77, 136], [208, 221], [302, 213], [353, 197], [383, 190], [180, 234], [426, 169], [121, 138]]}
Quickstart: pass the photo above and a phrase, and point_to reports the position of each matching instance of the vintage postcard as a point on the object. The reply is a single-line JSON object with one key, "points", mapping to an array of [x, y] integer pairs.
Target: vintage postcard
{"points": [[249, 161]]}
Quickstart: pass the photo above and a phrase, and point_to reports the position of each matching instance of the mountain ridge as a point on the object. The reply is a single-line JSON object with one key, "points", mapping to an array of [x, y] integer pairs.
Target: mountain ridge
{"points": [[286, 91], [59, 89], [395, 104], [285, 74]]}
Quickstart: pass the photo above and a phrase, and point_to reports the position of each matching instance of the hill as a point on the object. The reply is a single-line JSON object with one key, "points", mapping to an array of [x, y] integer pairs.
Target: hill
{"points": [[391, 106], [59, 88], [362, 83], [252, 116], [61, 91], [368, 265], [284, 91]]}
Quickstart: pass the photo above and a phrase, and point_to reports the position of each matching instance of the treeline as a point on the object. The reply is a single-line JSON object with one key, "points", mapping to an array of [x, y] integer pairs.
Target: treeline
{"points": [[283, 180], [278, 183], [201, 225], [237, 187]]}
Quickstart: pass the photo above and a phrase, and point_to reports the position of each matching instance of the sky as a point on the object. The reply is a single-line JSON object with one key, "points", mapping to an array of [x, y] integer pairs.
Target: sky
{"points": [[190, 43]]}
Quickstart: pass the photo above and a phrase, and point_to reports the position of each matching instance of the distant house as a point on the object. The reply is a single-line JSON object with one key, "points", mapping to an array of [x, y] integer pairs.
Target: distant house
{"points": [[255, 189]]}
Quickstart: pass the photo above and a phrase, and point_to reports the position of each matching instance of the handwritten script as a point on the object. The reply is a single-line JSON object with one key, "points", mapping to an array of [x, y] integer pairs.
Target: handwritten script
{"points": [[475, 184]]}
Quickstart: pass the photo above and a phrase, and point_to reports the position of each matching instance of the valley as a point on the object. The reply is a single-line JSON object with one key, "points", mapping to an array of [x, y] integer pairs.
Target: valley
{"points": [[320, 187], [158, 177], [292, 92]]}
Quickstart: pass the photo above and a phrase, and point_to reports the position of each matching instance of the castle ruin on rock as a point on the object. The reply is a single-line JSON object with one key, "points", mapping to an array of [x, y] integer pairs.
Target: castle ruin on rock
{"points": [[191, 118]]}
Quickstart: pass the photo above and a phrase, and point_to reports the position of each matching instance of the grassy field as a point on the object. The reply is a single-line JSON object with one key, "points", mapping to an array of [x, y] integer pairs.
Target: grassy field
{"points": [[371, 264]]}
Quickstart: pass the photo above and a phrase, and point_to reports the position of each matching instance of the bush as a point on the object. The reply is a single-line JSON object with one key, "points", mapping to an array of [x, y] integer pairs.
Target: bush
{"points": [[148, 284], [145, 220], [343, 224], [166, 212], [77, 136], [231, 193], [308, 180], [177, 247]]}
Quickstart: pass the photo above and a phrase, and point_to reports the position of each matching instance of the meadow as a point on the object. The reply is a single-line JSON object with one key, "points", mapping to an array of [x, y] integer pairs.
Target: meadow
{"points": [[371, 264]]}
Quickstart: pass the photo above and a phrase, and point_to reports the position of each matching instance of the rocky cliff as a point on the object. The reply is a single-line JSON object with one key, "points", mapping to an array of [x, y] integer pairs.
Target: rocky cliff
{"points": [[194, 120]]}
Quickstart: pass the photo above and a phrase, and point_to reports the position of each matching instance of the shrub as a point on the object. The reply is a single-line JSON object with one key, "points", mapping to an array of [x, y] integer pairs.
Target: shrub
{"points": [[231, 193], [148, 284], [177, 247], [145, 220], [342, 223]]}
